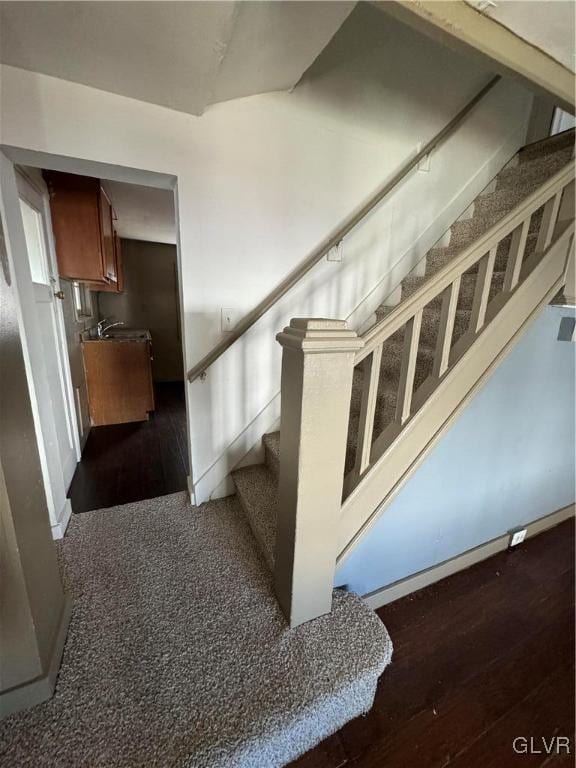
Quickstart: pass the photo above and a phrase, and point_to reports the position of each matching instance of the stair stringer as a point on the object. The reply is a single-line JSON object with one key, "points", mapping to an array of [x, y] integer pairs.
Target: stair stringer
{"points": [[384, 480]]}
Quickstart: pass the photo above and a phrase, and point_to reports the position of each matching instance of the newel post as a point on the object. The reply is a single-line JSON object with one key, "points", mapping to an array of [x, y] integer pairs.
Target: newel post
{"points": [[317, 369]]}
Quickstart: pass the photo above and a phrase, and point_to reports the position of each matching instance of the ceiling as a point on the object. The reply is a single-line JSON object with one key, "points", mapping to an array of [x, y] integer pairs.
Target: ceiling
{"points": [[182, 55], [144, 213], [546, 24]]}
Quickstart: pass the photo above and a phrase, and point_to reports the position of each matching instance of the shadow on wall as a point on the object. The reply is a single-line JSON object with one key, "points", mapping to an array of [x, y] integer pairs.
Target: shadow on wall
{"points": [[150, 300]]}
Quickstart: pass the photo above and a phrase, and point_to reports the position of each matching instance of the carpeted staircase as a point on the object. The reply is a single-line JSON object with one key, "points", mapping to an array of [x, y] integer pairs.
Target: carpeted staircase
{"points": [[179, 655], [256, 485]]}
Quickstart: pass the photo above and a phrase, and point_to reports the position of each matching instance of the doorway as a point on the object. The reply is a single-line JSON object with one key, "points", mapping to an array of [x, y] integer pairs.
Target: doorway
{"points": [[131, 378], [100, 459]]}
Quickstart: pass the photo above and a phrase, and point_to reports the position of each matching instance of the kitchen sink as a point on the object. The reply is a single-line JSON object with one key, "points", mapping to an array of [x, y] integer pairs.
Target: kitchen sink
{"points": [[127, 334]]}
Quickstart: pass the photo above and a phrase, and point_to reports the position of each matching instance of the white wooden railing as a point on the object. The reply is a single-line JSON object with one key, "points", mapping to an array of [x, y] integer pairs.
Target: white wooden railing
{"points": [[446, 284], [315, 527]]}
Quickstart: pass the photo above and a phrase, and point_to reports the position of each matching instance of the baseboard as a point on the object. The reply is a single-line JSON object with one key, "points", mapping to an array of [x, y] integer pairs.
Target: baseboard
{"points": [[191, 491], [216, 482], [41, 688], [403, 587], [59, 529]]}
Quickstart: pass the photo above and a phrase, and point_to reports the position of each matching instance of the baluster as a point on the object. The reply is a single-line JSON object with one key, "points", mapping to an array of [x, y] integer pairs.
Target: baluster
{"points": [[408, 367], [446, 328], [482, 290], [371, 371], [566, 209], [549, 218], [515, 256]]}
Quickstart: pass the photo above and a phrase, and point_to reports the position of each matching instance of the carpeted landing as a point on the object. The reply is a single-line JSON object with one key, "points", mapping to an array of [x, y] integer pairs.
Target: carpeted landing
{"points": [[178, 655]]}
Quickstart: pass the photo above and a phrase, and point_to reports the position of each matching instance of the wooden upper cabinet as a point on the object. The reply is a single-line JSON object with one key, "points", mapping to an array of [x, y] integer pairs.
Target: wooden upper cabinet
{"points": [[118, 286], [119, 265], [83, 228], [107, 236]]}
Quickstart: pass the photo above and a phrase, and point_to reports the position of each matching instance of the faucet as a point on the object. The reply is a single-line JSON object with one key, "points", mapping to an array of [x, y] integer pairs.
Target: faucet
{"points": [[101, 328]]}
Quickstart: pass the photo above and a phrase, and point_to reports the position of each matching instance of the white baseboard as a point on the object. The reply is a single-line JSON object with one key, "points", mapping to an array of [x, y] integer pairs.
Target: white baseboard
{"points": [[191, 492], [59, 528], [216, 481], [422, 579]]}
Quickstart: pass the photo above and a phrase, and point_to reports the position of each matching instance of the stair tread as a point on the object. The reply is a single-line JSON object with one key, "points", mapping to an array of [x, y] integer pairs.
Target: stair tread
{"points": [[257, 489], [542, 148], [537, 169]]}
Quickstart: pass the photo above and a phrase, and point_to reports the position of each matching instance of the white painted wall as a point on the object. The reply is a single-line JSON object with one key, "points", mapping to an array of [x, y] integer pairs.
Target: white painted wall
{"points": [[262, 180]]}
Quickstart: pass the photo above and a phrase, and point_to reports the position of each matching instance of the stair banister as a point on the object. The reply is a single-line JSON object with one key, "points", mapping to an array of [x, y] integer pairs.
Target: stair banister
{"points": [[461, 263], [324, 248], [554, 251]]}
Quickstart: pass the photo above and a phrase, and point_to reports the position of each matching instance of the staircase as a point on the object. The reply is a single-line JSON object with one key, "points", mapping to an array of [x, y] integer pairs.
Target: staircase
{"points": [[476, 280]]}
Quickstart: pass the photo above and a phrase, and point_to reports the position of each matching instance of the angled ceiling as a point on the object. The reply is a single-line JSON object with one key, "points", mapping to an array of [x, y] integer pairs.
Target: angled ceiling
{"points": [[547, 25], [182, 55], [144, 213]]}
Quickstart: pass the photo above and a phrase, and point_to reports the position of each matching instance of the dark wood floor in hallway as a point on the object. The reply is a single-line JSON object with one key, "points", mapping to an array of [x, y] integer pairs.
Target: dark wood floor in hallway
{"points": [[130, 462], [480, 658]]}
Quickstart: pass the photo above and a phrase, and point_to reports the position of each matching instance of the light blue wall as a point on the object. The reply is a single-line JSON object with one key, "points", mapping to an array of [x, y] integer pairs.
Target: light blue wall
{"points": [[507, 460]]}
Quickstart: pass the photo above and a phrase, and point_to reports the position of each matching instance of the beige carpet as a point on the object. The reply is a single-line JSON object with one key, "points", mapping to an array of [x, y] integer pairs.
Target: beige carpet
{"points": [[178, 655]]}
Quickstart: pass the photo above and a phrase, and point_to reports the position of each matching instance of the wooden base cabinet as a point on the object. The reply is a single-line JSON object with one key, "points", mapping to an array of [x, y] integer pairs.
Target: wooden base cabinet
{"points": [[119, 380]]}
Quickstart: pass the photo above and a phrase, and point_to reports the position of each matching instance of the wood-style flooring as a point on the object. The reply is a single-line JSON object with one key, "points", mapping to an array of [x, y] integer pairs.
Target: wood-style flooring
{"points": [[483, 657], [131, 462]]}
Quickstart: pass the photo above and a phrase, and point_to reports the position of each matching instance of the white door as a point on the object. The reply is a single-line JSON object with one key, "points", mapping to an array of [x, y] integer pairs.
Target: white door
{"points": [[61, 457]]}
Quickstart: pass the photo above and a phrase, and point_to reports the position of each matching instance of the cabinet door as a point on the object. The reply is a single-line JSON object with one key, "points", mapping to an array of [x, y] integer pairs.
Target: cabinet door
{"points": [[74, 208], [107, 237], [119, 381], [119, 265], [118, 286]]}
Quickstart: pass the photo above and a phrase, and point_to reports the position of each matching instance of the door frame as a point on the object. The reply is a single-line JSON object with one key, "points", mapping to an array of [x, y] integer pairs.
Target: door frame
{"points": [[35, 190], [11, 156], [59, 506]]}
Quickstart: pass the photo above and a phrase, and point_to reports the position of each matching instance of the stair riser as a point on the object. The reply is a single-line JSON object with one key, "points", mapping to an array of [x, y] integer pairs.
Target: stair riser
{"points": [[385, 400], [431, 323], [438, 258], [272, 460], [463, 233], [467, 287], [499, 203]]}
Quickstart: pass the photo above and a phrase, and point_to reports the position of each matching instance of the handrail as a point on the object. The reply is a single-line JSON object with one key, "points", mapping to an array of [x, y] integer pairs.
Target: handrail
{"points": [[469, 255], [321, 251]]}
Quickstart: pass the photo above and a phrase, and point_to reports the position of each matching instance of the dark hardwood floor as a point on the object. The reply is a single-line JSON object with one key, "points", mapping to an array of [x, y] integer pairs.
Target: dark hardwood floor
{"points": [[130, 462], [480, 658]]}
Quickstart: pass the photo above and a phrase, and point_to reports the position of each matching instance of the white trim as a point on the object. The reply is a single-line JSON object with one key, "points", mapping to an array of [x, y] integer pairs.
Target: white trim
{"points": [[403, 587], [59, 528], [191, 492], [39, 185]]}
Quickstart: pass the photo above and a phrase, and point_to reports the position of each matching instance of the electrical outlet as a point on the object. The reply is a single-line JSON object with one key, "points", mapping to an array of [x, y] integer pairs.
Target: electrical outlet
{"points": [[335, 254], [517, 537], [229, 319]]}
